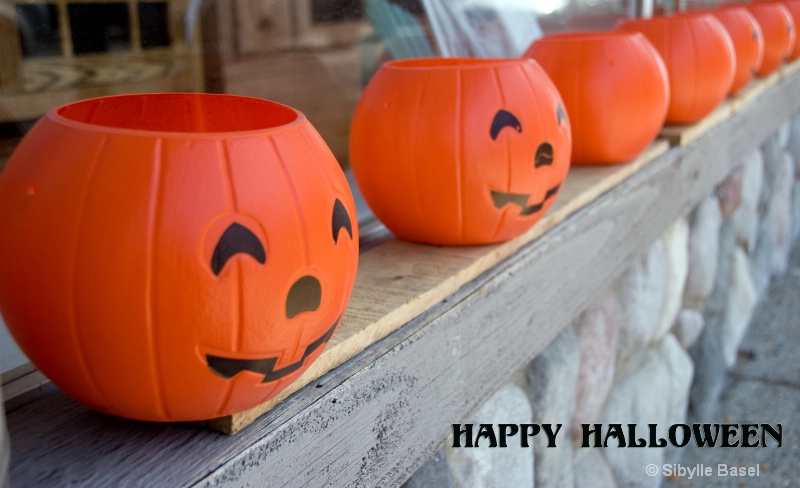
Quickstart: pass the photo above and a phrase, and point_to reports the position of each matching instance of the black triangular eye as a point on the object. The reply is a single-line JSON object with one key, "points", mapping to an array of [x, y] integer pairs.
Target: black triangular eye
{"points": [[235, 240], [339, 220], [503, 119]]}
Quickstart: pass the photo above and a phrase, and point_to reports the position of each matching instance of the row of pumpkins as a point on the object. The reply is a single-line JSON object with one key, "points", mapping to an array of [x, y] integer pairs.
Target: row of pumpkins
{"points": [[434, 169], [178, 257]]}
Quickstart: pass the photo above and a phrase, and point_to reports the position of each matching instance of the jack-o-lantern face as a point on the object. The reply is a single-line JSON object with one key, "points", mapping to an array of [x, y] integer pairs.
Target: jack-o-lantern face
{"points": [[460, 151], [305, 295], [206, 250], [543, 157]]}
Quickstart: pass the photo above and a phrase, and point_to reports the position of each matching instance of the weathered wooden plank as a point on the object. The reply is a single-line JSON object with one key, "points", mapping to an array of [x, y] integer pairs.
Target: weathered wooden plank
{"points": [[397, 281], [26, 389], [681, 135], [374, 419], [789, 69], [752, 91]]}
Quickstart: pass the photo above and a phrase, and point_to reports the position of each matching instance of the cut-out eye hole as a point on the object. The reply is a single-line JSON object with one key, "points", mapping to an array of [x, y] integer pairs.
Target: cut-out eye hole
{"points": [[561, 115], [503, 119], [237, 239], [304, 296], [340, 220], [544, 155]]}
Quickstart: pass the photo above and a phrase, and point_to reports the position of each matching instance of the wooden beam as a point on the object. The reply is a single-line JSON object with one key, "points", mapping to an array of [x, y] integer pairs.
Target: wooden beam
{"points": [[374, 419]]}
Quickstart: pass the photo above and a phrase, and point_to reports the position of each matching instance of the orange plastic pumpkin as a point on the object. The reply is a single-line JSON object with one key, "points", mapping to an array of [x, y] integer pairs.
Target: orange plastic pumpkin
{"points": [[778, 27], [460, 151], [615, 88], [174, 257], [793, 7], [748, 43], [699, 57]]}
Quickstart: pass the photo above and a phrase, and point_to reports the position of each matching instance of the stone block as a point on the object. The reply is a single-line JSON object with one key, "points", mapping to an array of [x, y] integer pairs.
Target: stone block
{"points": [[793, 146], [641, 299], [783, 133], [773, 156], [781, 213], [741, 301], [485, 466], [761, 257], [729, 192], [796, 210], [709, 372], [592, 470], [676, 263], [435, 472], [716, 301], [656, 392], [703, 251], [746, 217], [597, 332], [552, 380], [688, 327]]}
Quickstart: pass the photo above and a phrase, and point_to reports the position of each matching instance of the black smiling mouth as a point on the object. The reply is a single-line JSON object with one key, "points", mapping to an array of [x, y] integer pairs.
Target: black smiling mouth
{"points": [[501, 199], [229, 367]]}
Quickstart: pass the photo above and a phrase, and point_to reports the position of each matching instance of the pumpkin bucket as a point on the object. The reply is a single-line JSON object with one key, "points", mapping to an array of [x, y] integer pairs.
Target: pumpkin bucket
{"points": [[793, 7], [777, 26], [699, 57], [460, 151], [615, 89], [748, 43], [174, 257]]}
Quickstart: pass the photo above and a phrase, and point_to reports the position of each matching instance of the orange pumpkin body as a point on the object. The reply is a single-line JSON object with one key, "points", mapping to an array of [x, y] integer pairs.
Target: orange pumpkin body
{"points": [[615, 90], [170, 257], [748, 43], [699, 57], [460, 151], [793, 7], [778, 28]]}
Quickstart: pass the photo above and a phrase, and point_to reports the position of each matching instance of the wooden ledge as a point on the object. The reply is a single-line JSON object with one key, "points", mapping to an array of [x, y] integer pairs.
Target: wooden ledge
{"points": [[481, 314]]}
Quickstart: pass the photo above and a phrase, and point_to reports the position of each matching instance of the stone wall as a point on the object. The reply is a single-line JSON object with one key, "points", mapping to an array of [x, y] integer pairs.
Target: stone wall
{"points": [[654, 348]]}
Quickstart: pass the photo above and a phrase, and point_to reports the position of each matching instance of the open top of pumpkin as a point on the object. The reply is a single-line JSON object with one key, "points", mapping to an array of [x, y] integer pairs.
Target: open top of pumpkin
{"points": [[189, 113]]}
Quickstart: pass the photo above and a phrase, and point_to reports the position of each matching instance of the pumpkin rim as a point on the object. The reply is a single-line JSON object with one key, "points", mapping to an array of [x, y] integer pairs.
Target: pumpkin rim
{"points": [[590, 36], [669, 19], [58, 116], [451, 64]]}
